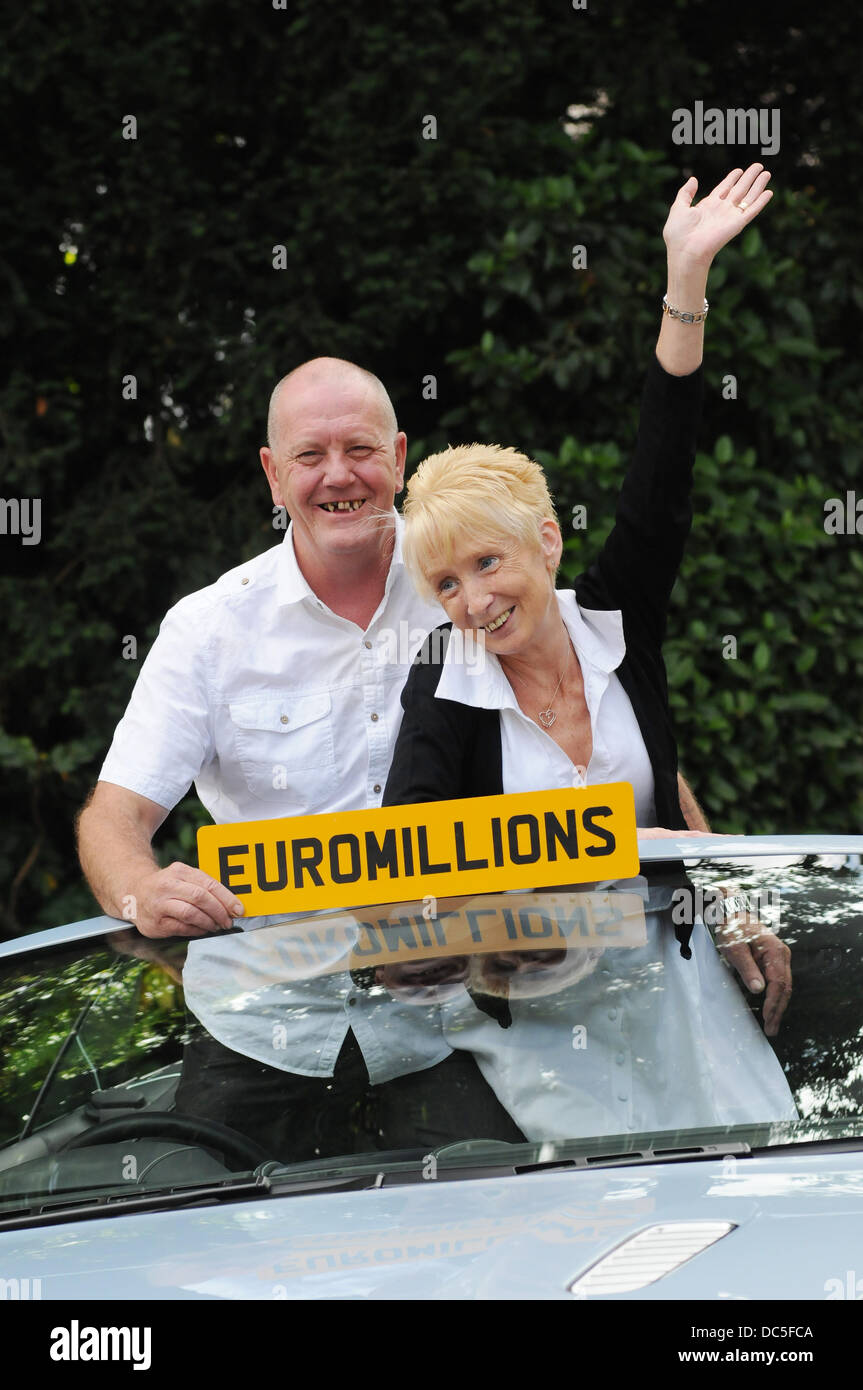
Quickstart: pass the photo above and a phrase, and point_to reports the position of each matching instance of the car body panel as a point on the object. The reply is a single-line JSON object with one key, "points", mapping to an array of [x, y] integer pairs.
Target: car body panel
{"points": [[798, 1218]]}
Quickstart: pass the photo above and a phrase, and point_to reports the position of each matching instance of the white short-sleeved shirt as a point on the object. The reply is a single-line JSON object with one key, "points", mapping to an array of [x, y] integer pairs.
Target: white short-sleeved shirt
{"points": [[273, 705], [531, 760], [269, 702]]}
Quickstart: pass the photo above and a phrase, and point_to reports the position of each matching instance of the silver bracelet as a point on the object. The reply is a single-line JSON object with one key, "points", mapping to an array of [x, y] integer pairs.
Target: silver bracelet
{"points": [[681, 314]]}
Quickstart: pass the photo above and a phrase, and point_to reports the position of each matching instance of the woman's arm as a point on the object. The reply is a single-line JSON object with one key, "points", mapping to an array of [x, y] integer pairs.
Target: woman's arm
{"points": [[693, 235], [636, 568]]}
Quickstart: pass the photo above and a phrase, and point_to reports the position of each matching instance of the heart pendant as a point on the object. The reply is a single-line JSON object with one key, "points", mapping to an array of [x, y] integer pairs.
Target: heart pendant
{"points": [[546, 718]]}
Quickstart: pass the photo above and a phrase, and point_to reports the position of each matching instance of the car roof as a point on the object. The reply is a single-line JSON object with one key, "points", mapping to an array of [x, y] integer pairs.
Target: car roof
{"points": [[704, 847]]}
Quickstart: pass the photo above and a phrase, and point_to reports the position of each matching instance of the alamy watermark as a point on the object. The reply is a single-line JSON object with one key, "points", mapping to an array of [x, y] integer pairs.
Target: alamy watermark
{"points": [[715, 906], [406, 644], [843, 516], [20, 1290], [21, 516], [734, 126], [850, 1288], [77, 1343]]}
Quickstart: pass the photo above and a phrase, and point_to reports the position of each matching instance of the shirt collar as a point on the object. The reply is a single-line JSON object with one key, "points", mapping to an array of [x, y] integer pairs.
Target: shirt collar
{"points": [[293, 586], [597, 633], [597, 636]]}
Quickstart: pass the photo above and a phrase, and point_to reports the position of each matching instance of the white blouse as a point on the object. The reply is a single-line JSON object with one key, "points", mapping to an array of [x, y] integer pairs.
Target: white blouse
{"points": [[531, 759]]}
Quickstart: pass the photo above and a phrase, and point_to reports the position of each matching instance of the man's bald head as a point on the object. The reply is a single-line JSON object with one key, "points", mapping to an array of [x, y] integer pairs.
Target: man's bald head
{"points": [[326, 372]]}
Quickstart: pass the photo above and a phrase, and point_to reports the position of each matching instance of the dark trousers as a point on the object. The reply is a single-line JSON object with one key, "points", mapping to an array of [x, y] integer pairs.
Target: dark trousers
{"points": [[294, 1118]]}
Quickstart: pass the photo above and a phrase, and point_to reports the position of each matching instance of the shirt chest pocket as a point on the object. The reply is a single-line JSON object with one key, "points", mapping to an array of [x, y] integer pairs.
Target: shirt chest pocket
{"points": [[285, 748]]}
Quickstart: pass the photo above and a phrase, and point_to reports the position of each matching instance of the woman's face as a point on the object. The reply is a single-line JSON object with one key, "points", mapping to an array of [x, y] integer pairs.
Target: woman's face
{"points": [[505, 588]]}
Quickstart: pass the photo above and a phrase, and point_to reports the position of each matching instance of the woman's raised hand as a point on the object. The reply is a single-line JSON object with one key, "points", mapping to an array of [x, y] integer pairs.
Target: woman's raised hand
{"points": [[694, 233]]}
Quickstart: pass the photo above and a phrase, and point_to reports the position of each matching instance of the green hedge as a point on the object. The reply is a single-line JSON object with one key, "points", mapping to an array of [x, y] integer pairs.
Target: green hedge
{"points": [[302, 128]]}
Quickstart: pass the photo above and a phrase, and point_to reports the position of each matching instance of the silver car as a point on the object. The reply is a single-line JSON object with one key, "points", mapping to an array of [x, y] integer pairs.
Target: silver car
{"points": [[569, 1094]]}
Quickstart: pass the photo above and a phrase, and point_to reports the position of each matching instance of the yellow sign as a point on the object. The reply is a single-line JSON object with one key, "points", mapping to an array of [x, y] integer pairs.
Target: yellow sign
{"points": [[483, 844]]}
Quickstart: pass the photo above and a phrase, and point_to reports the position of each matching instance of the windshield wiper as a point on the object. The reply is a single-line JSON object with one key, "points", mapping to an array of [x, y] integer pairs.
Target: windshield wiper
{"points": [[260, 1185], [457, 1162]]}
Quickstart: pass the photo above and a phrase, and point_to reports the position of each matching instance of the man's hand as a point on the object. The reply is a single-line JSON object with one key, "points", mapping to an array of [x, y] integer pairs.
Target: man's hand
{"points": [[115, 829], [761, 960], [182, 901]]}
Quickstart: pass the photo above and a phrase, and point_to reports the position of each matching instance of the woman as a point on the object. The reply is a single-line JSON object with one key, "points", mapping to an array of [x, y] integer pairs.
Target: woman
{"points": [[573, 690], [573, 687]]}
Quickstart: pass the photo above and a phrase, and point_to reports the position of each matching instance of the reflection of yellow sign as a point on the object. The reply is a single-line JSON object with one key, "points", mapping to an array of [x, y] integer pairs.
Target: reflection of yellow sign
{"points": [[523, 922], [442, 1237], [479, 845]]}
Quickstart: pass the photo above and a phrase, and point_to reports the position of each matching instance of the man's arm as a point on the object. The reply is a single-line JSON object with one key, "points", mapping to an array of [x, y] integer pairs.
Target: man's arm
{"points": [[115, 830], [692, 812]]}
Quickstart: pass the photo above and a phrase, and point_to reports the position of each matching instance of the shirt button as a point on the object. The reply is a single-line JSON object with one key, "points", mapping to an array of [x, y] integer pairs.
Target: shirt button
{"points": [[376, 787], [612, 1014], [244, 581], [283, 719], [374, 719], [620, 1059], [352, 1001], [367, 644]]}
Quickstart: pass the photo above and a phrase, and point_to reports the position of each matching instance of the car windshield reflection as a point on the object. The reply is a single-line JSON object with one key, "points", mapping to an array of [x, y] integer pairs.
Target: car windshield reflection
{"points": [[594, 1020]]}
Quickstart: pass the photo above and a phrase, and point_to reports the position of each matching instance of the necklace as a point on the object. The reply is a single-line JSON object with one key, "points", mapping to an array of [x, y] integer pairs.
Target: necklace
{"points": [[547, 716]]}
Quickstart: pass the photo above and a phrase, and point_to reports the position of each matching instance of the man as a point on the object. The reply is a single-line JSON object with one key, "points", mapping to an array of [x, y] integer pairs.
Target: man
{"points": [[274, 689]]}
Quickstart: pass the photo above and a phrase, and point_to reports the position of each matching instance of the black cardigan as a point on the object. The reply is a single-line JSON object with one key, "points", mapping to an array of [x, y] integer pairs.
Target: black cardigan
{"points": [[446, 749]]}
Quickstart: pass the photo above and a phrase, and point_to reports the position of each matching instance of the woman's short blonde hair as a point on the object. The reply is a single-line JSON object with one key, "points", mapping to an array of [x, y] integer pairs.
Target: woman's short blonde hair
{"points": [[484, 491]]}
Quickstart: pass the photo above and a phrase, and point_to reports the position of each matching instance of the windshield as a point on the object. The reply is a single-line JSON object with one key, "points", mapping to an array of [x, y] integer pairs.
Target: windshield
{"points": [[594, 1021]]}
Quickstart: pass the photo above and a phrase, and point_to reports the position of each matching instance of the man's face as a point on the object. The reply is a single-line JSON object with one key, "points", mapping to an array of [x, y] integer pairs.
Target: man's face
{"points": [[336, 465]]}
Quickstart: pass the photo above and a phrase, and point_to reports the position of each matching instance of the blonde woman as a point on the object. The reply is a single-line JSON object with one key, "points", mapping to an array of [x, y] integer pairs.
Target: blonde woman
{"points": [[573, 686]]}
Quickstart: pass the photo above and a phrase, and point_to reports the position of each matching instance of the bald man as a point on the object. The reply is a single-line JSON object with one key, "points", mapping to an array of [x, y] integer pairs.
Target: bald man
{"points": [[276, 689]]}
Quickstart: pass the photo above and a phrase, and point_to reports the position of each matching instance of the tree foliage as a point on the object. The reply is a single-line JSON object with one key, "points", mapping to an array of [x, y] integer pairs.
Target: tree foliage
{"points": [[302, 128]]}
